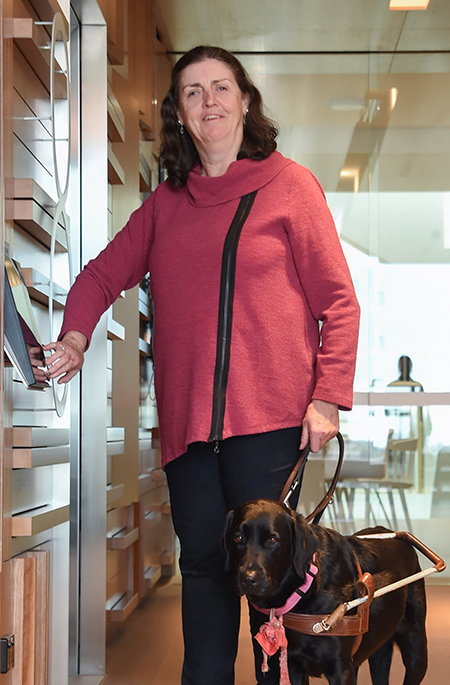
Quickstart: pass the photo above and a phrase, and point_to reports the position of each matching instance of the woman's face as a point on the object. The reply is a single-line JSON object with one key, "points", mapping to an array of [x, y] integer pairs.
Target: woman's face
{"points": [[211, 106]]}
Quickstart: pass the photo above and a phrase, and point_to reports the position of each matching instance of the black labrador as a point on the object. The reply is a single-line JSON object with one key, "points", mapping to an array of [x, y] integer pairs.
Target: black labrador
{"points": [[271, 548]]}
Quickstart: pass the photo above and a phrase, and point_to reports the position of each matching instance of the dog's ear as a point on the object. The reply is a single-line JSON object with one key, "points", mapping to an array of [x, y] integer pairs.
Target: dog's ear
{"points": [[226, 539], [305, 543]]}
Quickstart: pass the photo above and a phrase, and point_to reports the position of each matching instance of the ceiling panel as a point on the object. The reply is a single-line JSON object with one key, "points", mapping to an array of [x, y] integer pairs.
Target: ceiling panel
{"points": [[302, 25]]}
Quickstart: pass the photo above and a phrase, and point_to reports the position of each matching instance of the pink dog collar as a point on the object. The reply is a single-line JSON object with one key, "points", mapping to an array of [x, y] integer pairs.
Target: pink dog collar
{"points": [[297, 595]]}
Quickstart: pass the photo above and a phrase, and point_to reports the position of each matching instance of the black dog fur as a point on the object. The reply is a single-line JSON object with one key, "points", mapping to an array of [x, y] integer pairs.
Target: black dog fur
{"points": [[270, 547]]}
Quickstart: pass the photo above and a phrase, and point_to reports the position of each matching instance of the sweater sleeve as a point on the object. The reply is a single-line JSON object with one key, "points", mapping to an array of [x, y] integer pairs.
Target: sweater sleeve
{"points": [[120, 266], [326, 281]]}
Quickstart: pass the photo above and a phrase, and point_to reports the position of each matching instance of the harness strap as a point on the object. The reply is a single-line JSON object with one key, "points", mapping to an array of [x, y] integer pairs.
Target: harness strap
{"points": [[305, 623], [337, 623], [296, 596]]}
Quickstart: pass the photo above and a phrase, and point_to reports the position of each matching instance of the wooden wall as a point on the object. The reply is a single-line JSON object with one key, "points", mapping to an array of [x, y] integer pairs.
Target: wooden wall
{"points": [[35, 443], [138, 74]]}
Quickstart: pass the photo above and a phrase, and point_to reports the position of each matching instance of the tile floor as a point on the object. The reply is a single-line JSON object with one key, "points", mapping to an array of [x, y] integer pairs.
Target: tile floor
{"points": [[148, 649]]}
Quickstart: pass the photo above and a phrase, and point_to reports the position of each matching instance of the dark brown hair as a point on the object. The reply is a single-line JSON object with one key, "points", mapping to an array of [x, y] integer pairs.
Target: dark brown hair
{"points": [[178, 152]]}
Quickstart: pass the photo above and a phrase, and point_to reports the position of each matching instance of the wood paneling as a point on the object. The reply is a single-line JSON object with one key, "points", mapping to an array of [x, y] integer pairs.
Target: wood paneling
{"points": [[42, 601], [142, 35], [114, 14], [31, 618]]}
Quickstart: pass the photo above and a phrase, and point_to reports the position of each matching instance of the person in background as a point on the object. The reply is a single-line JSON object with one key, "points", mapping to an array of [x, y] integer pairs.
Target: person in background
{"points": [[255, 330]]}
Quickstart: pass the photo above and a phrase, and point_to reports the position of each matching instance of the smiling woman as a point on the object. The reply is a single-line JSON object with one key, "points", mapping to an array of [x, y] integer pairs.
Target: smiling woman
{"points": [[217, 71], [212, 109], [244, 263]]}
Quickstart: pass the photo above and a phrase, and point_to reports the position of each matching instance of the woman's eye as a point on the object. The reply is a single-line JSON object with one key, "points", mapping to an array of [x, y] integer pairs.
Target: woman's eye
{"points": [[237, 537], [192, 92]]}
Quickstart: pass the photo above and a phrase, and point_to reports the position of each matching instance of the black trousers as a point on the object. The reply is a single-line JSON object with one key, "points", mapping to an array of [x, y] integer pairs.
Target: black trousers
{"points": [[204, 486]]}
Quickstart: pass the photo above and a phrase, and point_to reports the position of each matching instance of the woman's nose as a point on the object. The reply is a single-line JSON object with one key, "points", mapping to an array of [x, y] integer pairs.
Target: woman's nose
{"points": [[209, 97]]}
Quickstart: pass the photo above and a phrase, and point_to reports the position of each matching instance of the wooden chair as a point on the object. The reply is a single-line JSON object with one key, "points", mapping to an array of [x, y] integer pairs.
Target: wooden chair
{"points": [[398, 476]]}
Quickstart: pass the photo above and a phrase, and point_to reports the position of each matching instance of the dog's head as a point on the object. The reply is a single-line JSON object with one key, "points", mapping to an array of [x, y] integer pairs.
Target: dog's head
{"points": [[269, 547]]}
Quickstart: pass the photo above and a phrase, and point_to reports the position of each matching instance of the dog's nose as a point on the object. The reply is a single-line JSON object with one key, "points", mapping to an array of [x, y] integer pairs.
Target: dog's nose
{"points": [[251, 577]]}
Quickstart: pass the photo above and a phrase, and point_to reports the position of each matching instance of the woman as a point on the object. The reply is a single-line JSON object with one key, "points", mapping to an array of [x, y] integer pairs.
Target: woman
{"points": [[243, 377]]}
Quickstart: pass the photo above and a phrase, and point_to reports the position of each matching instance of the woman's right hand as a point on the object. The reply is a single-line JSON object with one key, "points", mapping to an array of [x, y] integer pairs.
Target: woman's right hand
{"points": [[68, 356]]}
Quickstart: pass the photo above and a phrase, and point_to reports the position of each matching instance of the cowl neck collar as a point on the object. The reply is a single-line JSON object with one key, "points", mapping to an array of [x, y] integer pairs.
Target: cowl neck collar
{"points": [[242, 177]]}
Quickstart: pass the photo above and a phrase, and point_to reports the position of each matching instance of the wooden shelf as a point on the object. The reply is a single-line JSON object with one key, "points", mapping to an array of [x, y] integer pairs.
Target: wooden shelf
{"points": [[115, 447], [34, 42], [36, 436], [120, 611], [35, 221], [167, 557], [40, 519], [114, 492], [152, 519], [33, 210], [123, 539], [116, 119], [115, 433], [45, 9], [145, 439], [157, 475], [145, 483], [115, 330], [144, 347], [39, 288], [28, 458], [152, 575], [163, 508], [145, 176], [144, 308], [116, 175]]}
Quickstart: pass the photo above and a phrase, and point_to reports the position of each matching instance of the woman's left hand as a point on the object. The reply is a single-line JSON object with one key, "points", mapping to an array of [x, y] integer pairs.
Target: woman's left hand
{"points": [[319, 425]]}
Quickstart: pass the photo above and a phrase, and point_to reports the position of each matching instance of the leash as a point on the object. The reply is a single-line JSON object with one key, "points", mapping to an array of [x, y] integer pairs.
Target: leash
{"points": [[296, 476]]}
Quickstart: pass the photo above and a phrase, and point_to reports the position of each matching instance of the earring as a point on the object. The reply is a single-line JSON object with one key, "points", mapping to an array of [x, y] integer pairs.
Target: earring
{"points": [[245, 116], [181, 127]]}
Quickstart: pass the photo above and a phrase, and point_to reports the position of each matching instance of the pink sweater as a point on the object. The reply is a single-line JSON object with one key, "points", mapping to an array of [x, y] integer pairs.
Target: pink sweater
{"points": [[290, 274]]}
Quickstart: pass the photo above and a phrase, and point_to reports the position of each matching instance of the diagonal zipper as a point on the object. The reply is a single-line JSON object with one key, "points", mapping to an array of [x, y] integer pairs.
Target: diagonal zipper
{"points": [[227, 279]]}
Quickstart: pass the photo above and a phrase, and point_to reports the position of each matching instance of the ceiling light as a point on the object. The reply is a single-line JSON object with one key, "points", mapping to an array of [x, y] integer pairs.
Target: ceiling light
{"points": [[347, 104], [408, 4], [352, 174], [394, 96]]}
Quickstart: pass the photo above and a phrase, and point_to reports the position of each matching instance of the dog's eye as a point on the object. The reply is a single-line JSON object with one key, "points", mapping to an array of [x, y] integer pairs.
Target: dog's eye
{"points": [[272, 540], [238, 538]]}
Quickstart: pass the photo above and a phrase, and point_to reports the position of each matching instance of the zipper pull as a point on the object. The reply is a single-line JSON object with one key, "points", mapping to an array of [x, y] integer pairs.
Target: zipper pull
{"points": [[216, 444]]}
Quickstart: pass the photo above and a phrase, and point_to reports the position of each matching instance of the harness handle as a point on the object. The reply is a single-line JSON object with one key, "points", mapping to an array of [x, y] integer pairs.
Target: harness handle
{"points": [[296, 477]]}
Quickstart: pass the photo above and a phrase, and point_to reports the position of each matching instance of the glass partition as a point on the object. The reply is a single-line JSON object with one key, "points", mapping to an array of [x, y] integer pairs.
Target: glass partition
{"points": [[374, 129]]}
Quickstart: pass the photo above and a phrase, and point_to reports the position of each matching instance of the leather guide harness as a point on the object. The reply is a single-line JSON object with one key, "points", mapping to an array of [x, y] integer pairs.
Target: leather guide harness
{"points": [[337, 623]]}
